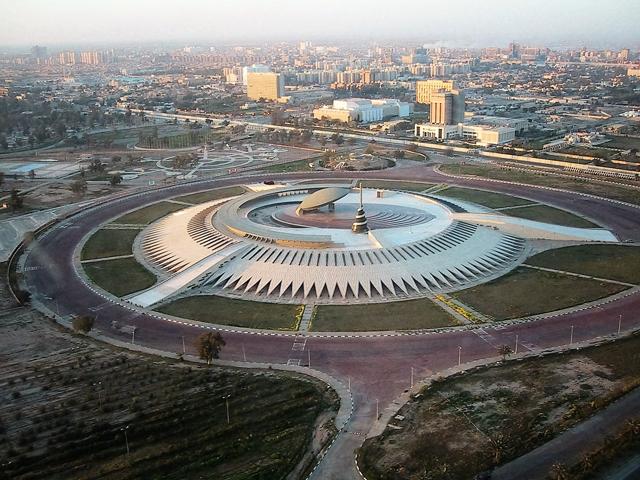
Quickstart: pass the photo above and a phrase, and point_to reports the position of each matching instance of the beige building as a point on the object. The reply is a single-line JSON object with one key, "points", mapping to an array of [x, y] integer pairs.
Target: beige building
{"points": [[446, 108], [633, 72], [267, 86], [425, 88]]}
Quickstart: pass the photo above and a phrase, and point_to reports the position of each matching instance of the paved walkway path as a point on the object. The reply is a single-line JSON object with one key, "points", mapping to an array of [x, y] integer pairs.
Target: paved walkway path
{"points": [[564, 272], [571, 446], [305, 321], [117, 257]]}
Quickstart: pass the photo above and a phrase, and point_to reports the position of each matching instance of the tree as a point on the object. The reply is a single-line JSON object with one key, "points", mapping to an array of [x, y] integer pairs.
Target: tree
{"points": [[209, 346], [16, 200], [115, 179], [96, 166], [82, 323], [32, 174], [505, 351], [23, 296], [79, 187]]}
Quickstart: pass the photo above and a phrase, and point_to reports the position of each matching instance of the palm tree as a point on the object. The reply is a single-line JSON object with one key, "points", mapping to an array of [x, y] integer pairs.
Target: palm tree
{"points": [[505, 351], [209, 346]]}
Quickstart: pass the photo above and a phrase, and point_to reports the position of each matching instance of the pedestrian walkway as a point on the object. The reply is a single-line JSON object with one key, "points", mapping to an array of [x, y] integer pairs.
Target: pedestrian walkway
{"points": [[117, 257], [307, 314], [564, 272]]}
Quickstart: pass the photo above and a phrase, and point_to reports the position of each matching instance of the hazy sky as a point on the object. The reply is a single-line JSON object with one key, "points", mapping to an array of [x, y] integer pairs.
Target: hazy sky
{"points": [[460, 22]]}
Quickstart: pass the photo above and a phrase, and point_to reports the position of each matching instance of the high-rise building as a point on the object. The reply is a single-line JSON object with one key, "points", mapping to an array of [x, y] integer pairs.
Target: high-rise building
{"points": [[447, 108], [255, 68], [267, 86], [424, 89]]}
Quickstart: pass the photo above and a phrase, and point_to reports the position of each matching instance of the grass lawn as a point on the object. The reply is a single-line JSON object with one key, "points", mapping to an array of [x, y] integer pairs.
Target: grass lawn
{"points": [[578, 185], [147, 215], [488, 199], [399, 185], [547, 214], [616, 262], [526, 291], [297, 166], [406, 315], [210, 195], [517, 407], [229, 311], [109, 243], [121, 276]]}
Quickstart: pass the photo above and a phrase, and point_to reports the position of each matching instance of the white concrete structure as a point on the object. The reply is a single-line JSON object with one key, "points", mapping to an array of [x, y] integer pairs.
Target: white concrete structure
{"points": [[483, 135], [264, 246], [362, 110]]}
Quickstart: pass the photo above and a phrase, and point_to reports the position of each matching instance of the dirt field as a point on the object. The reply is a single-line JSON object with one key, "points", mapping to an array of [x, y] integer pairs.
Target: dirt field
{"points": [[465, 425], [67, 401]]}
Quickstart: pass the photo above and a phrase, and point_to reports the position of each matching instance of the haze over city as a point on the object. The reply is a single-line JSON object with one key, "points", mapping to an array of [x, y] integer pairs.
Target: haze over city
{"points": [[466, 23], [330, 240]]}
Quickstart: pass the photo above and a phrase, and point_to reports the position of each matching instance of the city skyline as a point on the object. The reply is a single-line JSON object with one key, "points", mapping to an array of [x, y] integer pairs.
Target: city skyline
{"points": [[464, 24]]}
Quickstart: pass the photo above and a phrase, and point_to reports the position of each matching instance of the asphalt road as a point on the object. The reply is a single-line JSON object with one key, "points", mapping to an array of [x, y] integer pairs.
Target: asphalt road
{"points": [[377, 367]]}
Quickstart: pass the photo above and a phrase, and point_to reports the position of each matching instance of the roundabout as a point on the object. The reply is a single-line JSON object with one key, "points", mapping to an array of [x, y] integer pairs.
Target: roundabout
{"points": [[376, 367]]}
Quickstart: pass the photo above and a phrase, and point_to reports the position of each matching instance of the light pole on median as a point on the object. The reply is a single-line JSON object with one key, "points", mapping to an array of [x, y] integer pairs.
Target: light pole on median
{"points": [[133, 335], [377, 409], [184, 348], [515, 351], [571, 339], [619, 324], [411, 377], [459, 355]]}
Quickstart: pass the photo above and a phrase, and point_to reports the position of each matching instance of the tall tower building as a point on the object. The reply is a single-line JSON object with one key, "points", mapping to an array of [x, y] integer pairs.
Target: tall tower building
{"points": [[268, 86], [447, 108], [424, 89]]}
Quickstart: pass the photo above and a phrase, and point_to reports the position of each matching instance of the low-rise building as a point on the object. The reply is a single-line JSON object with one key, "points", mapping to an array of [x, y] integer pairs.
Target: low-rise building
{"points": [[362, 110], [482, 135]]}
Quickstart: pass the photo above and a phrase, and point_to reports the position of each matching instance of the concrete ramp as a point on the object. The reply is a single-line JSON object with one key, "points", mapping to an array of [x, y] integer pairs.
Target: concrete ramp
{"points": [[172, 285], [524, 228]]}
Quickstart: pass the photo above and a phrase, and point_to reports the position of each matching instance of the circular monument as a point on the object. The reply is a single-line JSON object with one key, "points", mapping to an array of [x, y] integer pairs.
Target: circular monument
{"points": [[335, 244]]}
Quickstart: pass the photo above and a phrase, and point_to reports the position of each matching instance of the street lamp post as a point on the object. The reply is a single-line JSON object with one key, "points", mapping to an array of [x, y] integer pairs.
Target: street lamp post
{"points": [[184, 348], [571, 339], [133, 335], [459, 355], [226, 401], [619, 324], [515, 351], [98, 385], [126, 439], [411, 377], [377, 409]]}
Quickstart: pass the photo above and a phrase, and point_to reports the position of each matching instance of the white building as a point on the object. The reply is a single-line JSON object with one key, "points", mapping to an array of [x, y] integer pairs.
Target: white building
{"points": [[362, 110], [483, 135], [486, 135], [520, 124]]}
